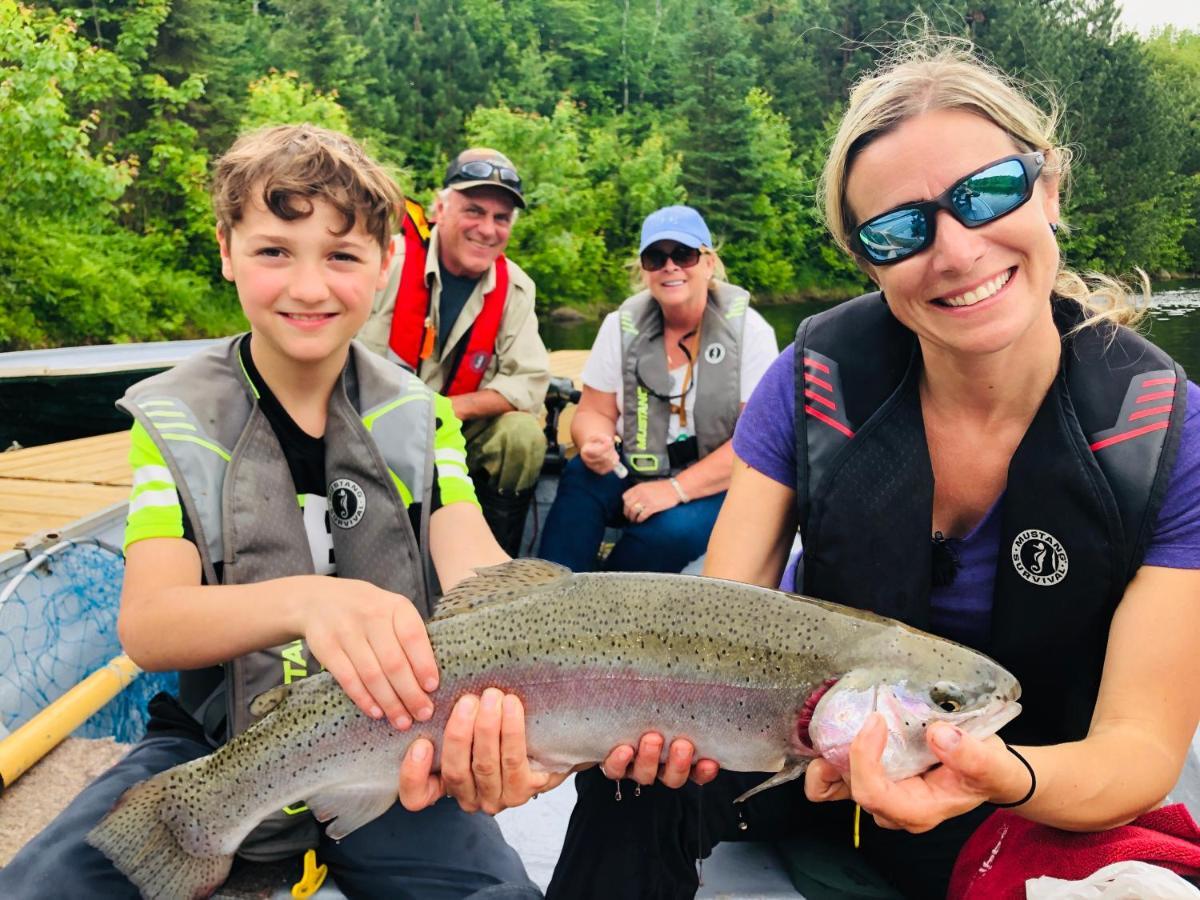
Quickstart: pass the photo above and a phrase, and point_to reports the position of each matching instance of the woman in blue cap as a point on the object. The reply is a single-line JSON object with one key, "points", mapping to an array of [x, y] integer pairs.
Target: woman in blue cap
{"points": [[667, 377]]}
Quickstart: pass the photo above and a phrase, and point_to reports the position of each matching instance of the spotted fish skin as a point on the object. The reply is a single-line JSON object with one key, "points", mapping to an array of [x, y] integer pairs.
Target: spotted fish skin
{"points": [[597, 659]]}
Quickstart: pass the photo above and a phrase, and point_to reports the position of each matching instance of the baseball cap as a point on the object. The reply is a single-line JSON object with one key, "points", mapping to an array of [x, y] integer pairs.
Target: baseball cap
{"points": [[484, 167], [681, 224]]}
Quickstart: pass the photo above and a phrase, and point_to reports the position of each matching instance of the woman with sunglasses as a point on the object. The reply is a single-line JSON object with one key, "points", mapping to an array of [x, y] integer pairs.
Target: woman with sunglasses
{"points": [[983, 449], [663, 386]]}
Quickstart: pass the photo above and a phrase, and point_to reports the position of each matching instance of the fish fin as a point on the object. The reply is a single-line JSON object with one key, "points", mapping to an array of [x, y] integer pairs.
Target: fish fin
{"points": [[149, 853], [351, 806], [789, 773], [495, 584], [268, 700]]}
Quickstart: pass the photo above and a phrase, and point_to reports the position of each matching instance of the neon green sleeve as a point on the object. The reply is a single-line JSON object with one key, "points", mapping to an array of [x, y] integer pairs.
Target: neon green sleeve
{"points": [[450, 456], [154, 508]]}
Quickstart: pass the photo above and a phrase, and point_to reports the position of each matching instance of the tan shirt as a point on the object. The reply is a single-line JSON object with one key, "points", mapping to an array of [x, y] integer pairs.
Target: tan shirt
{"points": [[519, 370]]}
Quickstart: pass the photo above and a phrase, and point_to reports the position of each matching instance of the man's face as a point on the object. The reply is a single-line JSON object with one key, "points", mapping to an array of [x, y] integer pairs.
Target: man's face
{"points": [[473, 229]]}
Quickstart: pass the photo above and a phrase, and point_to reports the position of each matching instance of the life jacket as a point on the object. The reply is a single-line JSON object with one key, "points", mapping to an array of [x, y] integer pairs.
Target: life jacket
{"points": [[413, 337], [1083, 493], [716, 376], [237, 491]]}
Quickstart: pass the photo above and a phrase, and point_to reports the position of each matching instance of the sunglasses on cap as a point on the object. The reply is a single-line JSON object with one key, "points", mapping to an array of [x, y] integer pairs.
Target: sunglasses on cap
{"points": [[981, 197], [481, 169], [654, 258]]}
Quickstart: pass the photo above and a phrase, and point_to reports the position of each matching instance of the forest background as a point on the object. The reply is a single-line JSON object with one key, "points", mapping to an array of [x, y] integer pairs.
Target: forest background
{"points": [[112, 113]]}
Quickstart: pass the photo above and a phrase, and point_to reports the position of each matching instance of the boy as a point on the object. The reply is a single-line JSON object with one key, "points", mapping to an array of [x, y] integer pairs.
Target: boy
{"points": [[261, 468]]}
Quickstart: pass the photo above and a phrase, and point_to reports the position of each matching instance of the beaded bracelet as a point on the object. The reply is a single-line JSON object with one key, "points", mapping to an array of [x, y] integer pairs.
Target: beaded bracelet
{"points": [[1032, 780], [683, 498]]}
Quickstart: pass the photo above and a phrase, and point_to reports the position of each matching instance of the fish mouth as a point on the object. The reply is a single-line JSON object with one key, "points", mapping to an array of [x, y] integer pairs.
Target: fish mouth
{"points": [[805, 714], [991, 718]]}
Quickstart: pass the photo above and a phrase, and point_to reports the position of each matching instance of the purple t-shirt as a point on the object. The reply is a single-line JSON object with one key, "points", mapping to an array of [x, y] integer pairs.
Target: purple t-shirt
{"points": [[766, 440]]}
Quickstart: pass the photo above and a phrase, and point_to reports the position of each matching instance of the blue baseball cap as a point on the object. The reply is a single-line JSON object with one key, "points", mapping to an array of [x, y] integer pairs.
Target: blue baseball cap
{"points": [[681, 224]]}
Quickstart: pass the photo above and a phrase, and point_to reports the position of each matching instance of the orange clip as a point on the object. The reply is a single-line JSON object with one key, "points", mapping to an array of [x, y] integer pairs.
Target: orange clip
{"points": [[429, 339]]}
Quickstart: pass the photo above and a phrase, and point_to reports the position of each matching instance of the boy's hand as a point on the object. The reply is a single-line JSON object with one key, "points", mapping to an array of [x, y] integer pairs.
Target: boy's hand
{"points": [[375, 644], [484, 763]]}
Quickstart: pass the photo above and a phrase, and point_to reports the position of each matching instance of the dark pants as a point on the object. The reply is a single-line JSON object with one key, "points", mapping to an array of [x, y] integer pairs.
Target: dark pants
{"points": [[587, 503], [645, 846], [439, 853]]}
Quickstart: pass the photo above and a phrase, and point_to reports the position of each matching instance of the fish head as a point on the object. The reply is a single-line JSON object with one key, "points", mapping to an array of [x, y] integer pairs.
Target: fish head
{"points": [[979, 699]]}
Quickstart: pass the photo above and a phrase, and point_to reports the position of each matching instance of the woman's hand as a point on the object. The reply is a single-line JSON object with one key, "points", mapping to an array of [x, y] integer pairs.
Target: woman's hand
{"points": [[375, 644], [599, 453], [646, 498], [643, 764], [484, 764], [972, 772]]}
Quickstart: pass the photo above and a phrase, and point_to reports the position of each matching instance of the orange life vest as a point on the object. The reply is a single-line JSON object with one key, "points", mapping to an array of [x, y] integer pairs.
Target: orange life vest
{"points": [[413, 336]]}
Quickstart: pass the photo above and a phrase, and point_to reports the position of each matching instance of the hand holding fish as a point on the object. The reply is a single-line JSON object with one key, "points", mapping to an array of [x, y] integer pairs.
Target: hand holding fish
{"points": [[375, 644], [972, 771], [485, 762], [644, 765]]}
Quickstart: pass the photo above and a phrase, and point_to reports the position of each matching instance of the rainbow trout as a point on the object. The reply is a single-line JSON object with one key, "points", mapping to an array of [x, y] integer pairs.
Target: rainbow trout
{"points": [[758, 680]]}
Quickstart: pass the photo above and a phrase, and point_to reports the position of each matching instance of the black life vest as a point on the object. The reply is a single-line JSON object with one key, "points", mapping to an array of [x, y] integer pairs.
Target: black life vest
{"points": [[1083, 493]]}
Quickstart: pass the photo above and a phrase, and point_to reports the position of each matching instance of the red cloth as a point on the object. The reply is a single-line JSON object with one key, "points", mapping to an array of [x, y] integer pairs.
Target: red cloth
{"points": [[1006, 850]]}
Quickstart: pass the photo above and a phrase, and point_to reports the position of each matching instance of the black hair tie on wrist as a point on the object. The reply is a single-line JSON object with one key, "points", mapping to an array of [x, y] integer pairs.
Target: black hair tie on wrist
{"points": [[1032, 780]]}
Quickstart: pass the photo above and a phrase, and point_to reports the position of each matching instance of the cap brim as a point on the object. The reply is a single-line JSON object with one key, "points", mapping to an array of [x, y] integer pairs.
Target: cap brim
{"points": [[518, 197], [679, 237]]}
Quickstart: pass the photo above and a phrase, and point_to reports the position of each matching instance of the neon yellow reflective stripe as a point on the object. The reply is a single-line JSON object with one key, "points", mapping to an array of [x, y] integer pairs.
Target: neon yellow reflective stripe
{"points": [[406, 496], [166, 497], [175, 426], [146, 404], [249, 380], [166, 414], [191, 439], [144, 475], [369, 421], [450, 456]]}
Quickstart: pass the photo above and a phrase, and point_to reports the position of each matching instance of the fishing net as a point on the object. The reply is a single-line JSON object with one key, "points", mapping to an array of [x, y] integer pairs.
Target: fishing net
{"points": [[58, 624]]}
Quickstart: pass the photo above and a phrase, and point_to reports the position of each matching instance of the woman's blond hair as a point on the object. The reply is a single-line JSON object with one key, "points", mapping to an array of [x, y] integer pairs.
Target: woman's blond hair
{"points": [[937, 72]]}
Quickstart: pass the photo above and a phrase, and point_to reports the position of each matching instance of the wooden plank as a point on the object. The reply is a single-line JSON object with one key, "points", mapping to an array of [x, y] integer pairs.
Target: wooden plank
{"points": [[27, 507], [103, 459]]}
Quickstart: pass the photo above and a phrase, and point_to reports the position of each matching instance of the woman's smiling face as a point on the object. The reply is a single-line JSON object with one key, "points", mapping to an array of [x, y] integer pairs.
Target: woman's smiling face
{"points": [[973, 291]]}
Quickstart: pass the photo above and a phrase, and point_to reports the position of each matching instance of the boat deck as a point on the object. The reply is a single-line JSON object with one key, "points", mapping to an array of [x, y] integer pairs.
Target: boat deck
{"points": [[44, 488]]}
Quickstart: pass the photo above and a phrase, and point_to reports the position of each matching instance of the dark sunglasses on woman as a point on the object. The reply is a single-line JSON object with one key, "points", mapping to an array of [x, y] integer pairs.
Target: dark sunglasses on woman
{"points": [[981, 197], [654, 258], [481, 168]]}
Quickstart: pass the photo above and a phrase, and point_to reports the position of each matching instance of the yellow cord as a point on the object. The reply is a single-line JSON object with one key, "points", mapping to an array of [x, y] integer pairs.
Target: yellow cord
{"points": [[312, 879], [857, 816]]}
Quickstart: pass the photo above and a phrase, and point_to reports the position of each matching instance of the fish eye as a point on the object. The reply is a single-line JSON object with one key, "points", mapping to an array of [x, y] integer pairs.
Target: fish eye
{"points": [[947, 697]]}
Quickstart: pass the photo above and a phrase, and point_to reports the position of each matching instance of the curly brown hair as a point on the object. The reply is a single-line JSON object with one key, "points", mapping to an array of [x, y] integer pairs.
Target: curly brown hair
{"points": [[290, 166]]}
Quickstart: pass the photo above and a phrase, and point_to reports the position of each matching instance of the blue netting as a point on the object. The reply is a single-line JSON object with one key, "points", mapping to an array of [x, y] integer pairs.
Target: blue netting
{"points": [[58, 624]]}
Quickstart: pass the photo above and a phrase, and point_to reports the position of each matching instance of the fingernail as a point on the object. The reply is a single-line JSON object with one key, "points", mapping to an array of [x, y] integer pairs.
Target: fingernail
{"points": [[424, 714], [402, 722], [947, 737], [420, 751], [511, 704], [491, 699], [466, 706], [431, 684], [375, 712]]}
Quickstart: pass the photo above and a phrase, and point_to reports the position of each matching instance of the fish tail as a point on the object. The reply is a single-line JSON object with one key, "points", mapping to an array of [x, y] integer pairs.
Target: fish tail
{"points": [[147, 850]]}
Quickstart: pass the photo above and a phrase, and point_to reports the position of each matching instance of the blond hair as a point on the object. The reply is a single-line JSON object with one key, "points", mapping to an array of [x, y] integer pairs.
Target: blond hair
{"points": [[934, 73], [290, 166]]}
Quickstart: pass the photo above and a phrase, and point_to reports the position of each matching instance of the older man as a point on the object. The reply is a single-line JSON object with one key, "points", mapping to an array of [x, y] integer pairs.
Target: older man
{"points": [[460, 314]]}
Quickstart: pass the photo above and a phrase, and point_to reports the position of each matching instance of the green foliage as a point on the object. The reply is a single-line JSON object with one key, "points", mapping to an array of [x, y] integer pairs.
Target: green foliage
{"points": [[111, 114], [58, 285]]}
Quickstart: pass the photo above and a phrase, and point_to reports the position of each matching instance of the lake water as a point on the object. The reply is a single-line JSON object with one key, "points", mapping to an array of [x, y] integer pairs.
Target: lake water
{"points": [[1174, 324]]}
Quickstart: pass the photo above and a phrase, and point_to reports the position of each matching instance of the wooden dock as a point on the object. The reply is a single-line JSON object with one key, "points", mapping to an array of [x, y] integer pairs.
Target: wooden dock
{"points": [[45, 488]]}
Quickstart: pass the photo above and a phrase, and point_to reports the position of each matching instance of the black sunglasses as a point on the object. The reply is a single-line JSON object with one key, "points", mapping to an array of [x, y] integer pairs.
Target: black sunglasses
{"points": [[654, 258], [981, 197], [482, 169]]}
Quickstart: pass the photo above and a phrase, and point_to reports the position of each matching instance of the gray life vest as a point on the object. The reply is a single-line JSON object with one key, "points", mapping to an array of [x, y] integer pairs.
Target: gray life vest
{"points": [[237, 491], [716, 376]]}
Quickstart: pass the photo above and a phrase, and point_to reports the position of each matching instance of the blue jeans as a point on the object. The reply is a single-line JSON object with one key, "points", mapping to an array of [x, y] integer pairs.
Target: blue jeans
{"points": [[440, 852], [587, 503]]}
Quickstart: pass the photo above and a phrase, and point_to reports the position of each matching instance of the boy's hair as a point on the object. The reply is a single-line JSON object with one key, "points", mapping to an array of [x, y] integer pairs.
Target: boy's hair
{"points": [[293, 165]]}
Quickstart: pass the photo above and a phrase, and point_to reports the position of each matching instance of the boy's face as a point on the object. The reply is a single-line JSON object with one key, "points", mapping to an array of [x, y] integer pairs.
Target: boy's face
{"points": [[306, 290]]}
